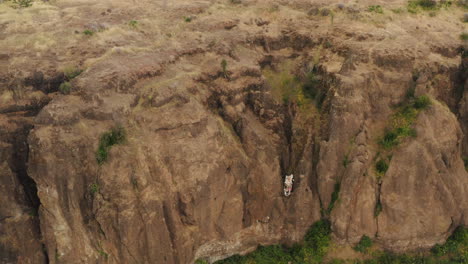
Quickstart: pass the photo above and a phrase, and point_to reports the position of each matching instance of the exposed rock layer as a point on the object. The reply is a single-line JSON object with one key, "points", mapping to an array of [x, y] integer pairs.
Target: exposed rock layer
{"points": [[200, 174]]}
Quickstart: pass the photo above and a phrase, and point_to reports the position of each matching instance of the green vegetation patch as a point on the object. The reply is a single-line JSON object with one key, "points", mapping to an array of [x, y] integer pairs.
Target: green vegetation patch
{"points": [[464, 36], [224, 68], [315, 246], [334, 197], [305, 91], [414, 6], [456, 246], [23, 3], [364, 244], [376, 9], [133, 23], [317, 242], [109, 139], [88, 32], [381, 166], [65, 87], [378, 208], [465, 161], [402, 121], [71, 72]]}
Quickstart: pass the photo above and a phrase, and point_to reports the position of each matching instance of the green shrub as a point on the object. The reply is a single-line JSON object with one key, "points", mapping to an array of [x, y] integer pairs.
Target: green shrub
{"points": [[334, 197], [188, 19], [403, 119], [346, 161], [201, 261], [316, 242], [456, 245], [424, 4], [464, 36], [224, 68], [415, 5], [133, 23], [107, 140], [397, 10], [23, 3], [381, 166], [310, 88], [364, 244], [318, 238], [375, 9], [65, 88], [94, 188], [88, 32], [465, 161], [378, 208], [71, 72], [389, 140], [422, 102]]}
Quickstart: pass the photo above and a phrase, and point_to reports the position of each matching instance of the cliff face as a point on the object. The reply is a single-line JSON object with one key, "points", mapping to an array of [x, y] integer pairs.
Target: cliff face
{"points": [[210, 136]]}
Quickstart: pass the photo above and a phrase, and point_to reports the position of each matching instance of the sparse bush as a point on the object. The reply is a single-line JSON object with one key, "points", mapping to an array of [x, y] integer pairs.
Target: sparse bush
{"points": [[415, 5], [346, 161], [334, 197], [465, 161], [456, 245], [235, 1], [310, 88], [426, 4], [88, 32], [65, 88], [224, 68], [389, 140], [464, 36], [201, 261], [364, 244], [133, 23], [422, 102], [316, 242], [397, 10], [23, 3], [403, 119], [188, 19], [381, 166], [107, 140], [378, 208], [94, 188], [71, 72], [375, 9]]}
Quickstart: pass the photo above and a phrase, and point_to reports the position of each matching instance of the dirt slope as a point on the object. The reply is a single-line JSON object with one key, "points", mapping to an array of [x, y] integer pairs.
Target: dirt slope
{"points": [[200, 172]]}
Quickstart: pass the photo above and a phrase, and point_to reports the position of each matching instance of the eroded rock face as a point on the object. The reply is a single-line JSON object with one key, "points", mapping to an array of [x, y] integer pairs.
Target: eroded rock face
{"points": [[200, 173]]}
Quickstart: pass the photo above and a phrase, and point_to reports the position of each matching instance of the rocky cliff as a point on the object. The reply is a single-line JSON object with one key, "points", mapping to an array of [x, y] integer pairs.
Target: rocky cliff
{"points": [[160, 132]]}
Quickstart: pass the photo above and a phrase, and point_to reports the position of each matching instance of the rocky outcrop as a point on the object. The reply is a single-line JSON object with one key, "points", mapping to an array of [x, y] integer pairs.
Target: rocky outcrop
{"points": [[208, 139]]}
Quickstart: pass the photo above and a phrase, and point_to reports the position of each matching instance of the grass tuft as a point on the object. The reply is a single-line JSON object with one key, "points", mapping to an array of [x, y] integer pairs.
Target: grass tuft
{"points": [[133, 23], [71, 72], [65, 88], [464, 36], [334, 197], [88, 32], [402, 121], [364, 244], [381, 166], [376, 9]]}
